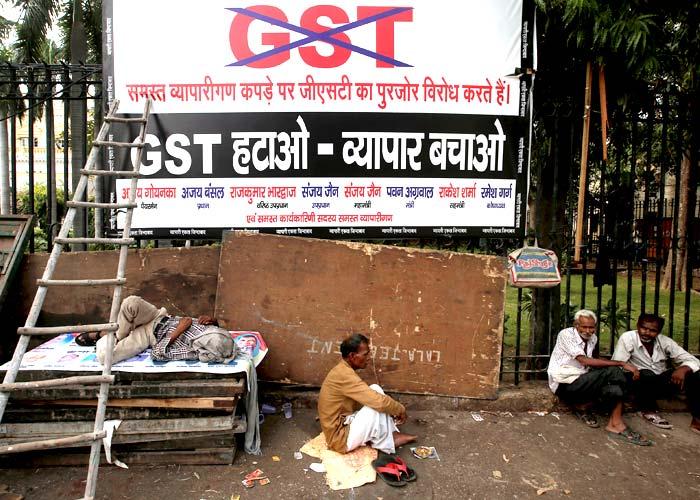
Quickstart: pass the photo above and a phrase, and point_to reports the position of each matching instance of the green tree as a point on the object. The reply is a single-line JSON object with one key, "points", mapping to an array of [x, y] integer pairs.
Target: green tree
{"points": [[43, 224], [80, 23], [643, 46], [7, 108], [648, 47]]}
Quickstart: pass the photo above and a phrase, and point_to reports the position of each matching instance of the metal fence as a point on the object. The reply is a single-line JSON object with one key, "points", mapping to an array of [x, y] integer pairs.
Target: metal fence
{"points": [[633, 241], [35, 102]]}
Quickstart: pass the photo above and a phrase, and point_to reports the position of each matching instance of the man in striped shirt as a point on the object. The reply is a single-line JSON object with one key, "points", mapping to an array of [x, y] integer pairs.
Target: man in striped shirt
{"points": [[143, 325], [579, 379]]}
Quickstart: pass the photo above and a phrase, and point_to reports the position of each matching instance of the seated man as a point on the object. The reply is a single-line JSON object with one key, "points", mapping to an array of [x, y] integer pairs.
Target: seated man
{"points": [[664, 368], [343, 393], [578, 378], [142, 325]]}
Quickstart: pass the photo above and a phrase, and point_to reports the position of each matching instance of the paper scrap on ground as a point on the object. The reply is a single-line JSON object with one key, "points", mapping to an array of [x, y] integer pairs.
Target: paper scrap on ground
{"points": [[343, 471], [251, 478], [317, 467]]}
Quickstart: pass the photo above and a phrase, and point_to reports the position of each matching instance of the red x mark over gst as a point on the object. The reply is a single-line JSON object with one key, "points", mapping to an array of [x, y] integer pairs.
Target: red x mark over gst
{"points": [[384, 19]]}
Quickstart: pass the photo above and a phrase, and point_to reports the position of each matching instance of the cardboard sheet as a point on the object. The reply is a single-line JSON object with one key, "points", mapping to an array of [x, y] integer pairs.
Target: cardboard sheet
{"points": [[63, 354], [343, 471]]}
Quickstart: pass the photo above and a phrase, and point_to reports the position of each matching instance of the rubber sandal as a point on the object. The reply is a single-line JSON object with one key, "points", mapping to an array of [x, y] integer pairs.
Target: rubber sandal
{"points": [[87, 339], [630, 436], [588, 418], [388, 473], [657, 420], [406, 472]]}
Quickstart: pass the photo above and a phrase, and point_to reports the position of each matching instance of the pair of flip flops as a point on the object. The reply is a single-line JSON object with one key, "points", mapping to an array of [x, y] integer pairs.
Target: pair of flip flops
{"points": [[657, 420], [630, 436], [87, 339], [393, 470]]}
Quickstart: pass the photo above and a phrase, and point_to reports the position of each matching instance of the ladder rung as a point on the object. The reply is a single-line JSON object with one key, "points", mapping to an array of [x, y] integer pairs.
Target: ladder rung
{"points": [[113, 173], [88, 282], [48, 444], [105, 241], [119, 119], [59, 382], [55, 330], [119, 144], [92, 204]]}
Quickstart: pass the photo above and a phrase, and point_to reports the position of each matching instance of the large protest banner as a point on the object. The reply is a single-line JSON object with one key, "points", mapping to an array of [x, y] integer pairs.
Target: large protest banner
{"points": [[365, 119]]}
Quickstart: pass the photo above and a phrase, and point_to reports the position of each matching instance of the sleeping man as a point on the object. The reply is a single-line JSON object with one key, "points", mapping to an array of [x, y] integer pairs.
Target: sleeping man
{"points": [[142, 325]]}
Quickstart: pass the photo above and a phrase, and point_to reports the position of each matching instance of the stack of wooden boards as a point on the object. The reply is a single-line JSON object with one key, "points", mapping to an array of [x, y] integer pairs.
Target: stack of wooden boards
{"points": [[167, 418]]}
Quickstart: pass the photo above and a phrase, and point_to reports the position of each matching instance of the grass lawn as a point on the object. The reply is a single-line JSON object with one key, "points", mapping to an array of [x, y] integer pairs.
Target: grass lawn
{"points": [[591, 302]]}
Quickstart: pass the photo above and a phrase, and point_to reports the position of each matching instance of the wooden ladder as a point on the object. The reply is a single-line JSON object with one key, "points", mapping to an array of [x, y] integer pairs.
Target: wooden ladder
{"points": [[46, 281]]}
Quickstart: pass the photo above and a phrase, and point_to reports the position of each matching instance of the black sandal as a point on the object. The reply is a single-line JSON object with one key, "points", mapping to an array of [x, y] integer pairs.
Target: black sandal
{"points": [[588, 418], [87, 339]]}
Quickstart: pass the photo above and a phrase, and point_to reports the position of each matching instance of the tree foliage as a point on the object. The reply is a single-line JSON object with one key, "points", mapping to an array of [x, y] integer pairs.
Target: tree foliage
{"points": [[37, 19]]}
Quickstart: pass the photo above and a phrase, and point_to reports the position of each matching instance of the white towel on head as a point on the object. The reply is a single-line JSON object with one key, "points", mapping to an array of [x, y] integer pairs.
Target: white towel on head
{"points": [[214, 345]]}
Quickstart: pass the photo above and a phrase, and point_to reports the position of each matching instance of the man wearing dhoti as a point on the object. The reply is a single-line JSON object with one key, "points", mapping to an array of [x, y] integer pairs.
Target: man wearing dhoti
{"points": [[353, 413]]}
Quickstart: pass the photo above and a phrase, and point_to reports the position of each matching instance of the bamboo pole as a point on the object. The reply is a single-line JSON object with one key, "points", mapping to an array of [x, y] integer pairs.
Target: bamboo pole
{"points": [[584, 163], [58, 382], [52, 443], [603, 111]]}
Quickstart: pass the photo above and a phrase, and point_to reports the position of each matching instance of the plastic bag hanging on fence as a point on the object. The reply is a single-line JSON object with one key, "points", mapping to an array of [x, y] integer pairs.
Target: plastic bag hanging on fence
{"points": [[533, 267]]}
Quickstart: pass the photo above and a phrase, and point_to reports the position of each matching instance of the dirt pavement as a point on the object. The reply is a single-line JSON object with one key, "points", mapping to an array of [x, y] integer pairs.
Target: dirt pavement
{"points": [[501, 457]]}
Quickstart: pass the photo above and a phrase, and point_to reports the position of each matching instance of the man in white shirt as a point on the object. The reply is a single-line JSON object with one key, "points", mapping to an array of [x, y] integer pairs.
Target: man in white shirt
{"points": [[664, 368], [578, 378]]}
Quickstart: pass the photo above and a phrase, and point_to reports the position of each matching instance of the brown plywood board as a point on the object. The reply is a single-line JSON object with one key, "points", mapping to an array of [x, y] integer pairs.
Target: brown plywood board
{"points": [[435, 318], [183, 280]]}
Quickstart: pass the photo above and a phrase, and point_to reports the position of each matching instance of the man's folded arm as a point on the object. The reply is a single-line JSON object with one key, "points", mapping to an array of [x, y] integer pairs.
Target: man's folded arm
{"points": [[361, 392], [681, 357]]}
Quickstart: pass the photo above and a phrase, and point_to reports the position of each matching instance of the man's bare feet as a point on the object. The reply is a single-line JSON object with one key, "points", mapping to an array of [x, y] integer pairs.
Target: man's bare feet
{"points": [[401, 439], [615, 428], [695, 425]]}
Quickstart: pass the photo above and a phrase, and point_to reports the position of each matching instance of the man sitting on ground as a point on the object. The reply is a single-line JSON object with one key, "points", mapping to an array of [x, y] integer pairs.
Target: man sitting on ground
{"points": [[353, 413], [142, 325], [655, 356], [578, 378]]}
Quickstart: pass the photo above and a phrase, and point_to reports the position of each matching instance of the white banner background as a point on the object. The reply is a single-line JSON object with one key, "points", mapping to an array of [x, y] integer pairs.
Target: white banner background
{"points": [[173, 42]]}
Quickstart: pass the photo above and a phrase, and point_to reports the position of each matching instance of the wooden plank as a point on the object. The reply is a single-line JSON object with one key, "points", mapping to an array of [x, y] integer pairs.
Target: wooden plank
{"points": [[13, 241], [214, 456], [36, 429], [131, 377], [186, 443], [169, 441], [435, 318], [182, 403], [46, 413], [176, 389], [186, 276]]}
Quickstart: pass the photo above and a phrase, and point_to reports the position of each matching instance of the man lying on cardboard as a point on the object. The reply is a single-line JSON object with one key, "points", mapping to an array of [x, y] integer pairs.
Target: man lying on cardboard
{"points": [[143, 325]]}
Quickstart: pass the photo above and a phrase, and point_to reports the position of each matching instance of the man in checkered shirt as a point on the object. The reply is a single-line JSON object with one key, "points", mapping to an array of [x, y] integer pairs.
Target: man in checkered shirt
{"points": [[142, 325], [579, 379]]}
